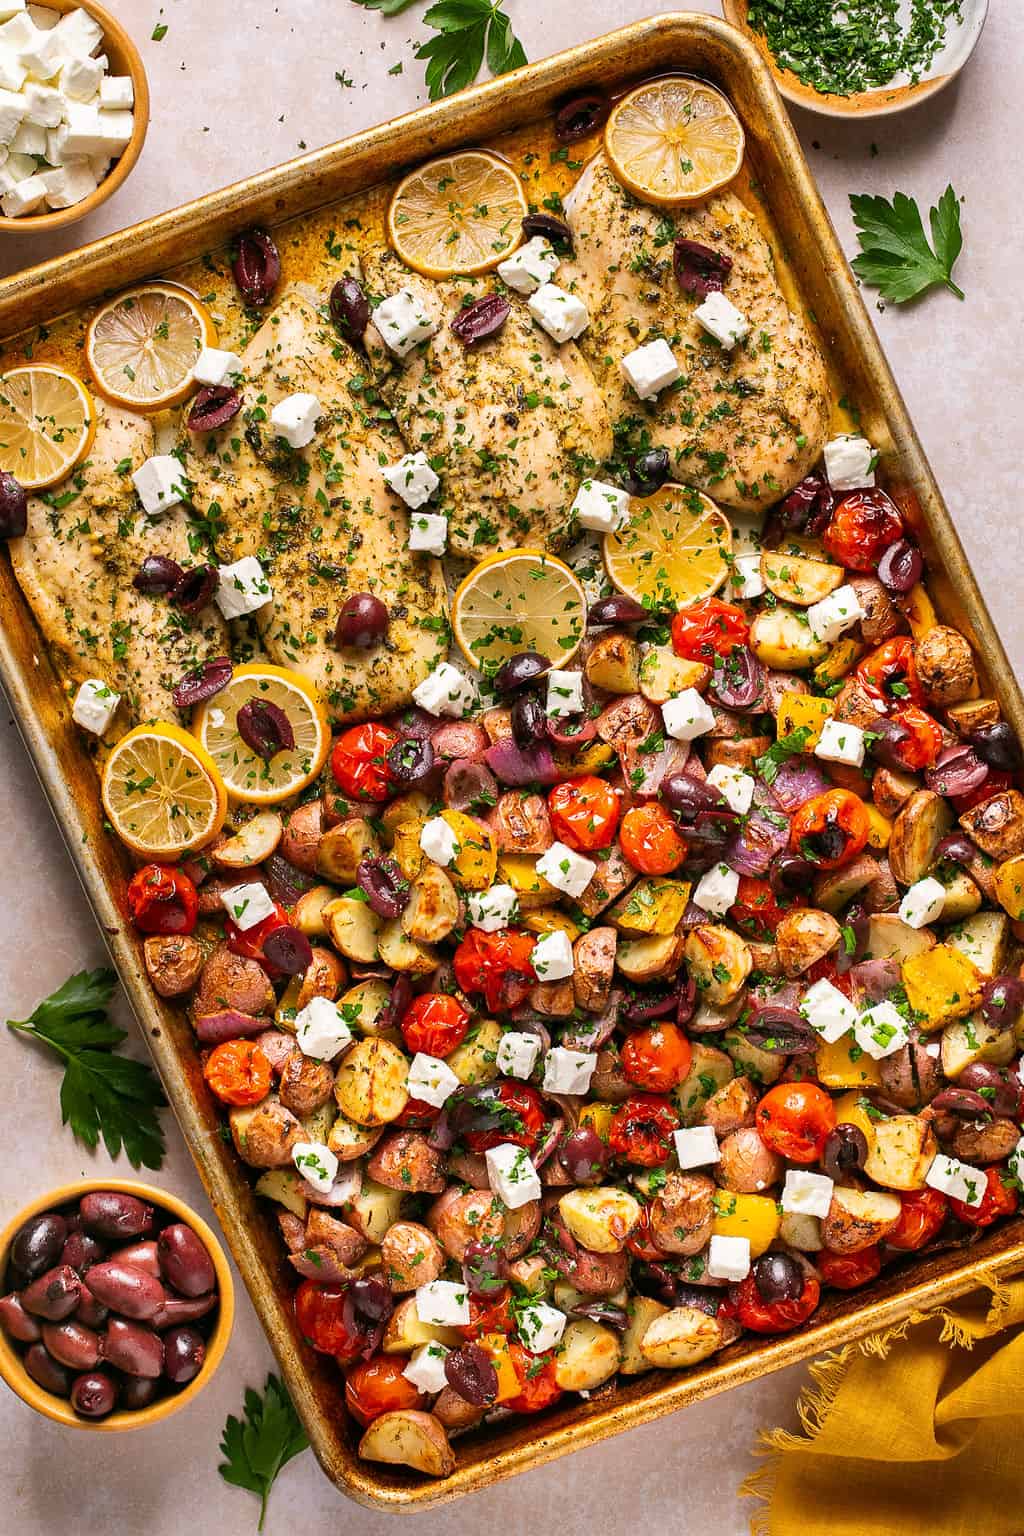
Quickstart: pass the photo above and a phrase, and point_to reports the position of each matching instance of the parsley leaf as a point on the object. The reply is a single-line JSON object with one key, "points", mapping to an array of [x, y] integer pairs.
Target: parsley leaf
{"points": [[895, 255], [256, 1448], [386, 7], [769, 763], [102, 1093], [467, 30]]}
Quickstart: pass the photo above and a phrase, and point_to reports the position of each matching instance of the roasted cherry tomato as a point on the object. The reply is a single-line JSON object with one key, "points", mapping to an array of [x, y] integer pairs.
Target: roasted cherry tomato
{"points": [[922, 1214], [249, 941], [498, 965], [359, 761], [708, 629], [435, 1024], [996, 782], [658, 1058], [320, 1312], [831, 829], [640, 1243], [417, 1115], [892, 671], [846, 1271], [826, 967], [162, 900], [762, 1316], [998, 1200], [238, 1072], [794, 1119], [757, 911], [518, 1113], [641, 1131], [489, 1314], [650, 840], [584, 813], [925, 738], [863, 525], [538, 1388], [377, 1386]]}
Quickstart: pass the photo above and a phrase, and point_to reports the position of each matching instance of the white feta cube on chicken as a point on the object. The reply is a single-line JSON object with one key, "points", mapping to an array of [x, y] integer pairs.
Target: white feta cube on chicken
{"points": [[835, 614], [568, 871], [95, 706], [428, 533], [722, 320], [320, 1030], [431, 1080], [242, 588], [735, 787], [425, 1368], [696, 1147], [517, 1054], [412, 478], [443, 1304], [551, 957], [850, 463], [403, 321], [651, 368], [728, 1257], [828, 1011], [530, 266], [565, 693], [159, 482], [568, 1071], [511, 1175], [316, 1163], [807, 1194], [881, 1031], [923, 903], [561, 314], [295, 417], [687, 715], [600, 507], [492, 909], [446, 691], [841, 742], [247, 905], [214, 367], [438, 841], [716, 889]]}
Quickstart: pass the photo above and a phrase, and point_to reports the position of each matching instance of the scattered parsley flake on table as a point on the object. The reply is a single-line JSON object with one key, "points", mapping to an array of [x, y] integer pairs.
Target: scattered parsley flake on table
{"points": [[895, 255], [256, 1448]]}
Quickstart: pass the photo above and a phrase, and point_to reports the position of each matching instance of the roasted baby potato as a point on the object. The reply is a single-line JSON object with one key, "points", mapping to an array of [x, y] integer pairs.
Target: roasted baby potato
{"points": [[945, 665], [432, 910], [408, 1438], [397, 949], [600, 1219], [254, 841], [682, 1336], [916, 831], [903, 1151], [613, 664], [354, 928], [782, 638], [804, 937], [663, 674], [858, 1219], [589, 1355], [799, 581], [173, 962], [997, 824], [594, 968], [343, 848], [371, 1083], [643, 960], [719, 961]]}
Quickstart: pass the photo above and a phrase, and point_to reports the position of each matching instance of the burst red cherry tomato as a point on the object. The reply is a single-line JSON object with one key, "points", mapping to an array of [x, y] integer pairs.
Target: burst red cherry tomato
{"points": [[924, 743], [892, 671], [708, 629], [757, 911], [320, 1312], [162, 900], [377, 1386], [489, 1314], [538, 1388], [519, 1115], [417, 1115], [584, 812], [641, 1130], [359, 761], [249, 942], [998, 1200], [921, 1216], [794, 1119], [498, 965], [435, 1024], [831, 829], [845, 1271], [863, 524], [762, 1316], [826, 968], [238, 1072], [650, 840], [657, 1058]]}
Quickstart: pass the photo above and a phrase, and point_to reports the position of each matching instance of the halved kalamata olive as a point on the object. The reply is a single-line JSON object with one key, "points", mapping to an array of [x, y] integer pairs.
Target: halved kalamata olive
{"points": [[647, 472], [600, 1311], [13, 508], [350, 308], [780, 1031], [790, 875], [202, 682], [650, 1005], [957, 847], [520, 670], [257, 266], [698, 268], [157, 575], [856, 926], [998, 746], [962, 1101], [196, 588], [738, 679], [548, 227], [265, 728], [778, 1277], [617, 609], [900, 567], [397, 1005], [571, 732], [845, 1152], [1002, 999], [808, 506], [686, 1001], [688, 796], [484, 1268], [579, 117], [958, 770], [410, 761], [288, 950], [481, 318], [214, 406], [889, 740], [387, 890], [284, 882], [362, 622], [470, 1372], [583, 1155], [999, 1090], [415, 722], [529, 720], [371, 1299]]}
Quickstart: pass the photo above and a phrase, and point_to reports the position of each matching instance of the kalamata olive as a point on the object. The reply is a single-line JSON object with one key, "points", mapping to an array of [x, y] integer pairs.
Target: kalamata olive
{"points": [[54, 1295], [257, 267], [397, 1006], [350, 308], [698, 268], [90, 1311], [686, 1001], [957, 847], [182, 1309], [617, 609], [415, 722], [737, 681], [284, 882], [1002, 999], [202, 682], [780, 1031], [185, 1263], [688, 796], [958, 770], [583, 1155], [410, 761], [789, 874], [137, 1391], [13, 508], [529, 720], [387, 890], [997, 745], [999, 1091], [845, 1152], [157, 576], [778, 1277], [214, 406], [470, 1372], [196, 589], [570, 732], [650, 1005], [136, 1350], [856, 922], [484, 1268], [93, 1395], [808, 506], [363, 622], [47, 1372], [265, 728], [962, 1101], [647, 472], [367, 1305], [481, 318], [80, 1250], [888, 743], [288, 950], [72, 1344], [38, 1242], [519, 671], [548, 227], [184, 1354], [900, 567], [16, 1321], [125, 1288], [579, 117]]}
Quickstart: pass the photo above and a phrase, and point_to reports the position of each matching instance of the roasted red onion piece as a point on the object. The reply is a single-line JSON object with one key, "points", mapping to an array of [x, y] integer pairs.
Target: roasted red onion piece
{"points": [[958, 770], [481, 319], [517, 766], [265, 728], [698, 268], [257, 267], [203, 682], [213, 407]]}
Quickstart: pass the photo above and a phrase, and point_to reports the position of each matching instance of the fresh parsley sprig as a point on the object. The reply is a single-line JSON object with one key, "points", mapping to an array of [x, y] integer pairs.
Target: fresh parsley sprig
{"points": [[895, 255], [257, 1447], [468, 31], [101, 1093], [780, 751]]}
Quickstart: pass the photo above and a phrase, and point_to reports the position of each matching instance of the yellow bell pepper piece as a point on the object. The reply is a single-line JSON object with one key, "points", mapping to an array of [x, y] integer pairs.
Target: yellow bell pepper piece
{"points": [[754, 1217]]}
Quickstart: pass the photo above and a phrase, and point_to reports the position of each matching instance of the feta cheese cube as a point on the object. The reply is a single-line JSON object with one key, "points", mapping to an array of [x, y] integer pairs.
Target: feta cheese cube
{"points": [[540, 1327], [492, 909], [687, 715], [565, 693], [923, 903], [43, 56], [46, 106], [159, 483], [428, 533], [841, 742], [80, 134], [243, 588], [517, 1054], [295, 417], [412, 478], [568, 871], [511, 1175], [446, 691], [403, 321], [722, 320], [807, 1194], [80, 79], [716, 890], [431, 1080], [12, 111], [320, 1030], [95, 706], [116, 128], [959, 1180], [438, 841], [568, 1071], [651, 368], [69, 183], [117, 93], [23, 197], [443, 1304], [829, 1013], [551, 957], [601, 507], [316, 1163], [561, 314], [696, 1147], [735, 787], [835, 614], [214, 367], [850, 463], [80, 34], [425, 1368], [746, 580], [881, 1031], [30, 139], [531, 265], [729, 1258], [12, 71], [247, 905]]}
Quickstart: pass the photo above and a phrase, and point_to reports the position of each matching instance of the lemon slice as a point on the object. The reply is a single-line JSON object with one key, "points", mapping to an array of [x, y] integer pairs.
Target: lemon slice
{"points": [[674, 141], [142, 346], [460, 214], [162, 792], [47, 424], [248, 776], [520, 600], [674, 550]]}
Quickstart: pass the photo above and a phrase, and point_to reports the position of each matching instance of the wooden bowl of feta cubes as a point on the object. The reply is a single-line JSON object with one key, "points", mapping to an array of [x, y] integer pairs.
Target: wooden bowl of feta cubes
{"points": [[74, 108]]}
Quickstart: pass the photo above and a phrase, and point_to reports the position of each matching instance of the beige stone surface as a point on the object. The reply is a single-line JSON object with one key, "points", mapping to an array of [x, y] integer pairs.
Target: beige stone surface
{"points": [[239, 85]]}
